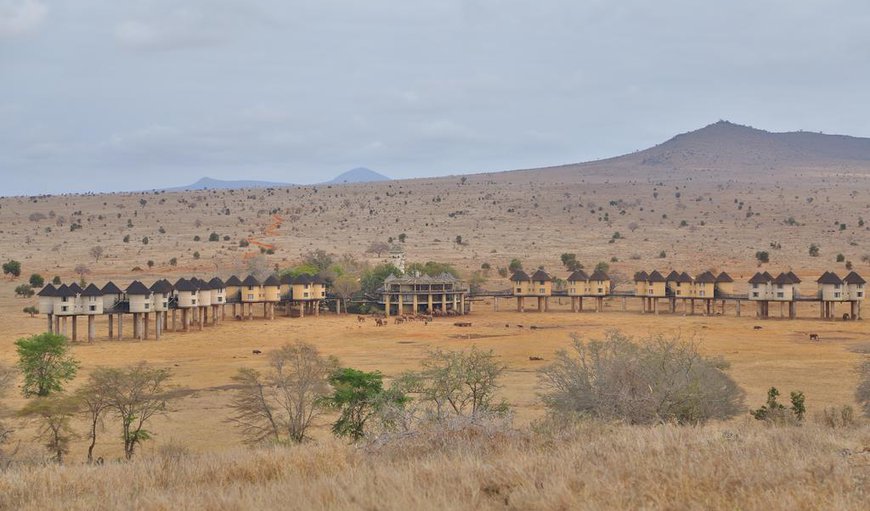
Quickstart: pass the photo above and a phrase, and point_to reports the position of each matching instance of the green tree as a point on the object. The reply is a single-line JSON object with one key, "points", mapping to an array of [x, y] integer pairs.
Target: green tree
{"points": [[775, 412], [30, 309], [46, 364], [762, 256], [814, 250], [569, 261], [432, 268], [36, 280], [358, 395], [602, 266], [56, 280], [515, 265], [372, 279], [24, 291], [319, 259], [214, 237], [12, 268]]}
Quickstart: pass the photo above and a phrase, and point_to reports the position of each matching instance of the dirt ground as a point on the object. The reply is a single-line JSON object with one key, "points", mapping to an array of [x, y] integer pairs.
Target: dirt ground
{"points": [[779, 354]]}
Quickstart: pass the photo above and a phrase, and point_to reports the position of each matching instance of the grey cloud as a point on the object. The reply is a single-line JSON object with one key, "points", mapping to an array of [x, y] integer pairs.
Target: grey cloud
{"points": [[18, 17], [298, 90]]}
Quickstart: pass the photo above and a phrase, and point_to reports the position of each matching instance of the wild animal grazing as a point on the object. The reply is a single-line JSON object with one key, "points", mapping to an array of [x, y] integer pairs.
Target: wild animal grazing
{"points": [[756, 327], [256, 352], [814, 337]]}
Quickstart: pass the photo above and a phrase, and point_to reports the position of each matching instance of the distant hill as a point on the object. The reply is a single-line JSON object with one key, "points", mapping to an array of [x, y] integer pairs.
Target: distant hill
{"points": [[208, 183], [358, 175], [726, 148]]}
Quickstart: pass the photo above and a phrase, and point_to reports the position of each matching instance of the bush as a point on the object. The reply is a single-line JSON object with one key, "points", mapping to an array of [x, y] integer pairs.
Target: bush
{"points": [[36, 280], [762, 256], [814, 250], [659, 380], [862, 393], [836, 418], [840, 258], [214, 237], [774, 412], [12, 268]]}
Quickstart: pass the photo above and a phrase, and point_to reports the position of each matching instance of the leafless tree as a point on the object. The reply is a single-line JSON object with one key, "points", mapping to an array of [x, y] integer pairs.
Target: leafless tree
{"points": [[659, 380], [93, 403], [280, 404], [82, 270], [96, 252], [378, 247]]}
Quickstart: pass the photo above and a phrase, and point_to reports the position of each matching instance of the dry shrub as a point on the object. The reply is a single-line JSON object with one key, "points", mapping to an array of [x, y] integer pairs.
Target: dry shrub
{"points": [[591, 465], [862, 393], [658, 380], [834, 417]]}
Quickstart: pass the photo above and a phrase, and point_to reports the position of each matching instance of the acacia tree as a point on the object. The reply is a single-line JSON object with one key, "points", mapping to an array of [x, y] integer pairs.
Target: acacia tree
{"points": [[46, 363], [458, 383], [135, 394], [378, 247], [12, 268], [344, 287], [93, 401], [53, 413], [280, 404]]}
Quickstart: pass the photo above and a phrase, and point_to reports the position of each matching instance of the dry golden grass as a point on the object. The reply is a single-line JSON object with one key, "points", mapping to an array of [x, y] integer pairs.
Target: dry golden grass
{"points": [[743, 466]]}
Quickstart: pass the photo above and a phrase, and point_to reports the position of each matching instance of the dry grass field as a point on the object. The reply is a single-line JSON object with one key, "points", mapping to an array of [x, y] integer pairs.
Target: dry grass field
{"points": [[674, 198]]}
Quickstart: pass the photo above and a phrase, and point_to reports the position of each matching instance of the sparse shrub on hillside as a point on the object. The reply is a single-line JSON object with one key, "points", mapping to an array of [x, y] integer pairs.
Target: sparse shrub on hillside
{"points": [[840, 258], [602, 266], [196, 255], [814, 250], [244, 243], [762, 256], [12, 268], [663, 254], [56, 280], [378, 247], [515, 265], [30, 309], [279, 405], [126, 238], [659, 380], [197, 238], [775, 412], [214, 237], [36, 280], [502, 272], [173, 261], [569, 260], [24, 291]]}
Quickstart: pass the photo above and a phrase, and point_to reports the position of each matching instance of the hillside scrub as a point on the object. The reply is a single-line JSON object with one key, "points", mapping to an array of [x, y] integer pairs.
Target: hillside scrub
{"points": [[587, 466]]}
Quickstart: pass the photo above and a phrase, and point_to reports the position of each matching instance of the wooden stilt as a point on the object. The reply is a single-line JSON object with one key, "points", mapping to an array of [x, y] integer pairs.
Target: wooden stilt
{"points": [[75, 335], [91, 328]]}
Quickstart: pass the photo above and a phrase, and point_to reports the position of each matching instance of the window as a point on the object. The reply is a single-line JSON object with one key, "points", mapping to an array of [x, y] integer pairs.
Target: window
{"points": [[755, 286], [519, 290], [147, 306], [542, 291], [780, 295], [93, 308], [220, 299], [250, 296], [755, 294], [64, 308], [600, 290], [193, 301], [701, 293]]}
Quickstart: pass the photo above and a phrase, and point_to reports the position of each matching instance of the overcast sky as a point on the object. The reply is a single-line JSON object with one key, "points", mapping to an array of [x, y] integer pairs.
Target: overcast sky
{"points": [[101, 95]]}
